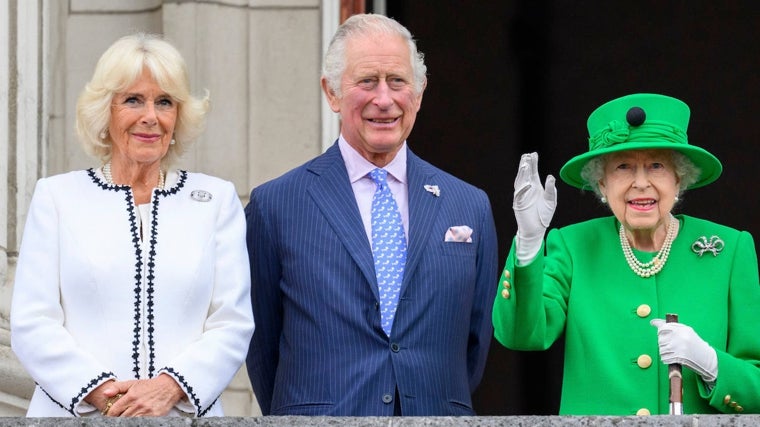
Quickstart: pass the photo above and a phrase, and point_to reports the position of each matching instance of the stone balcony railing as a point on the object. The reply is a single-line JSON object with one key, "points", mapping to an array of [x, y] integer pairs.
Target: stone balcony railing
{"points": [[522, 421]]}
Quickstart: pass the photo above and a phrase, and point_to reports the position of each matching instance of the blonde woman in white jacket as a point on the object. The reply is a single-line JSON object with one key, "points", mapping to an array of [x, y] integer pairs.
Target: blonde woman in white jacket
{"points": [[132, 287]]}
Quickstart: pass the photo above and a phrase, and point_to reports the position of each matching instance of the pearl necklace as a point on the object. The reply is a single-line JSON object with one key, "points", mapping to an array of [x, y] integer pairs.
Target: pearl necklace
{"points": [[109, 177], [654, 266]]}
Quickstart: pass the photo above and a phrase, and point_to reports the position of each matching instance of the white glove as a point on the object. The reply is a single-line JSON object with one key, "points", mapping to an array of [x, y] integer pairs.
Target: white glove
{"points": [[534, 207], [680, 344]]}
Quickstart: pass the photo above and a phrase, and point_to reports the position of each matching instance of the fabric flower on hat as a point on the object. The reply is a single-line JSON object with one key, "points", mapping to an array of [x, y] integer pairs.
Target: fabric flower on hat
{"points": [[614, 133]]}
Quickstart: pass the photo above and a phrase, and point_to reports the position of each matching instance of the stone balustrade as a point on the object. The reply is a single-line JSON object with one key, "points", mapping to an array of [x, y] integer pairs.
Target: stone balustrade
{"points": [[533, 421]]}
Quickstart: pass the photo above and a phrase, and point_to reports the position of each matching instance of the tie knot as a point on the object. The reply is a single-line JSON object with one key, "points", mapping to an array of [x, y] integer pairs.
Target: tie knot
{"points": [[379, 176]]}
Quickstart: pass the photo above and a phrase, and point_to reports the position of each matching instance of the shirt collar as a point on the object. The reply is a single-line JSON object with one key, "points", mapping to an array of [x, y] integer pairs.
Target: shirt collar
{"points": [[358, 167]]}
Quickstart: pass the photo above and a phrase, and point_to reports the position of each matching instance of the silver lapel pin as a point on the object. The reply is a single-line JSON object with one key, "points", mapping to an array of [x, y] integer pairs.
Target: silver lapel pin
{"points": [[201, 195]]}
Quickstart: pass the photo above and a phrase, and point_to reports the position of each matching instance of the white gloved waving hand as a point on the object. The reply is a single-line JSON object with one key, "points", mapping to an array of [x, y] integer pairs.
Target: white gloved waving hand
{"points": [[534, 207], [680, 344]]}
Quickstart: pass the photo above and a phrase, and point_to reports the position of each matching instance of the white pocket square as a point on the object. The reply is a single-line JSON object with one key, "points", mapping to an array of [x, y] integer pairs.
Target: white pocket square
{"points": [[459, 233]]}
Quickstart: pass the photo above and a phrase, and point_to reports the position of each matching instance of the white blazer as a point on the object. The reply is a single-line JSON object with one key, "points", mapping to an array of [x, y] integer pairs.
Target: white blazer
{"points": [[94, 301]]}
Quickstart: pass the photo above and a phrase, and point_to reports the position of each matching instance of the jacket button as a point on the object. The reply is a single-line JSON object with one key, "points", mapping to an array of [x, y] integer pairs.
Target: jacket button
{"points": [[507, 274], [395, 347], [643, 411], [505, 293], [506, 284], [644, 361], [727, 399], [387, 398], [643, 310]]}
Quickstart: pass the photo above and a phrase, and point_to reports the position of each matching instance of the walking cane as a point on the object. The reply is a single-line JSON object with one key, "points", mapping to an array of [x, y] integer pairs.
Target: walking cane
{"points": [[676, 381]]}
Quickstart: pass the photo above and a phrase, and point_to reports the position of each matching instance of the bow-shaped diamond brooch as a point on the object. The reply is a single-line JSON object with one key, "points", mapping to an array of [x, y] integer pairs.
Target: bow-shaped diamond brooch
{"points": [[702, 245]]}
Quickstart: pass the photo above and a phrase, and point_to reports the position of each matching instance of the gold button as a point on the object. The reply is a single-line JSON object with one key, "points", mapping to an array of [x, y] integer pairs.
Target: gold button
{"points": [[727, 399], [733, 404], [505, 293], [507, 274], [644, 361], [643, 310], [739, 409], [643, 411], [506, 284]]}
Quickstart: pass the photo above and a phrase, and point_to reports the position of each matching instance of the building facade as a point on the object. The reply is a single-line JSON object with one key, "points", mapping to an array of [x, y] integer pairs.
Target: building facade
{"points": [[259, 59]]}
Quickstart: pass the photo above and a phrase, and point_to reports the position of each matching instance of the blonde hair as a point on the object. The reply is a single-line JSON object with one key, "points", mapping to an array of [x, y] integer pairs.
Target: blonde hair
{"points": [[117, 69]]}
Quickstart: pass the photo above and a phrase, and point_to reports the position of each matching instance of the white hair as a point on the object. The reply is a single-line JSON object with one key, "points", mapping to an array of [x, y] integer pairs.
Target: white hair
{"points": [[366, 25]]}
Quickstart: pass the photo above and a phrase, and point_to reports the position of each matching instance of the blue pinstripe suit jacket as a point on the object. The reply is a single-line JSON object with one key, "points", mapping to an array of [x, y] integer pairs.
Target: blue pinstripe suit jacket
{"points": [[318, 348]]}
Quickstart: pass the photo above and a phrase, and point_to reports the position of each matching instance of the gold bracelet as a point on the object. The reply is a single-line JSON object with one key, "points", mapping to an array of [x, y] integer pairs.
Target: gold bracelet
{"points": [[109, 402]]}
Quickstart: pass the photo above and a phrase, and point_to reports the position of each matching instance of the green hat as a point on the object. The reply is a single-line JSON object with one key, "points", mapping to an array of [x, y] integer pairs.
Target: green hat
{"points": [[641, 121]]}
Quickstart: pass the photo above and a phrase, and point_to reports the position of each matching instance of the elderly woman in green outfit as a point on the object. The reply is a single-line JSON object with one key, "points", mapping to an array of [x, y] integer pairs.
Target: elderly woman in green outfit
{"points": [[607, 283]]}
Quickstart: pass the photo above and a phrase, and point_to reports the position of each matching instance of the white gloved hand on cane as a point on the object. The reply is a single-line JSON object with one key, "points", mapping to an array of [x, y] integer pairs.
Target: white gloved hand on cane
{"points": [[680, 344], [534, 207]]}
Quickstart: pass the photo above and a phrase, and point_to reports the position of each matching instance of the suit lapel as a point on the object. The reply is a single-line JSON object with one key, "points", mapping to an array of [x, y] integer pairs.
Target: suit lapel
{"points": [[423, 211], [333, 194]]}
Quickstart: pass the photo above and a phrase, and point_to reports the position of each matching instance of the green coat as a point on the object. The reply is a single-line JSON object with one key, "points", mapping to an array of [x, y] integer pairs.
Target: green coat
{"points": [[583, 287]]}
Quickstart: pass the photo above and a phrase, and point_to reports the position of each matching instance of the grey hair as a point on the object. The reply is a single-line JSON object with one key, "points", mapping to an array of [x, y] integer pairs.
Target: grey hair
{"points": [[334, 64], [686, 171]]}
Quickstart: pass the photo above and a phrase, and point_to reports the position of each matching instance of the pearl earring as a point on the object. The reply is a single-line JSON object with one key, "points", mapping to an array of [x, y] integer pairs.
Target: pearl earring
{"points": [[676, 198], [172, 142], [604, 200]]}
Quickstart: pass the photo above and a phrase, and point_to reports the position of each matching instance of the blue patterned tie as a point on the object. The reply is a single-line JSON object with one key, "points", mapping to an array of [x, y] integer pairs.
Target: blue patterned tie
{"points": [[388, 247]]}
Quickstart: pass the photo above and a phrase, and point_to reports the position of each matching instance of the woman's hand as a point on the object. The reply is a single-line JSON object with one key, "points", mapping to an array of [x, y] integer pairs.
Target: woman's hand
{"points": [[680, 344], [153, 397], [101, 395], [534, 207]]}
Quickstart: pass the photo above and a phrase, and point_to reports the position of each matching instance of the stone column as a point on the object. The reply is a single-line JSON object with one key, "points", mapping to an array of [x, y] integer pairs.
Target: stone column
{"points": [[22, 132]]}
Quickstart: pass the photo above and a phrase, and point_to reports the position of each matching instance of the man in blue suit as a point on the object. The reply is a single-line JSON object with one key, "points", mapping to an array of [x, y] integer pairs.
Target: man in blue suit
{"points": [[352, 319]]}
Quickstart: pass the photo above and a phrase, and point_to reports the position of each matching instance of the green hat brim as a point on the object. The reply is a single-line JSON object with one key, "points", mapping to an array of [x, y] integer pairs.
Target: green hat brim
{"points": [[709, 165]]}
